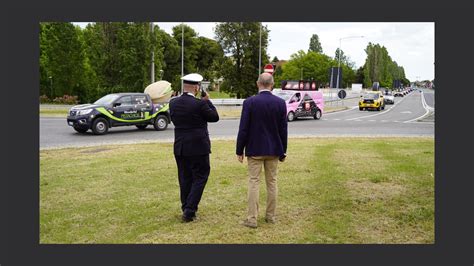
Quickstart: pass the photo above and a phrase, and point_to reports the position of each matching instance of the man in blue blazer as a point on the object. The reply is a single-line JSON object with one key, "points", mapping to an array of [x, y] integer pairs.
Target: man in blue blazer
{"points": [[192, 145], [263, 134]]}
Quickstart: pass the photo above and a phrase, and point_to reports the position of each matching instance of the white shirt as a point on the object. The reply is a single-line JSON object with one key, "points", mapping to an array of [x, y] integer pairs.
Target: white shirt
{"points": [[264, 90], [190, 94]]}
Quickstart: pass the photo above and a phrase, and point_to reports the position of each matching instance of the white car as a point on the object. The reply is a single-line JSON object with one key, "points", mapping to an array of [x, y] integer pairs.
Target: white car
{"points": [[388, 98]]}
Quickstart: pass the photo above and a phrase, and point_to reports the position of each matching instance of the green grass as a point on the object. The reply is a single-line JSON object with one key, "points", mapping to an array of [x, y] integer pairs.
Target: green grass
{"points": [[342, 190], [59, 112], [219, 95]]}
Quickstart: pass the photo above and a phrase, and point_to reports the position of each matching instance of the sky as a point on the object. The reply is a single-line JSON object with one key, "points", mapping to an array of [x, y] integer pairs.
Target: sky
{"points": [[411, 45]]}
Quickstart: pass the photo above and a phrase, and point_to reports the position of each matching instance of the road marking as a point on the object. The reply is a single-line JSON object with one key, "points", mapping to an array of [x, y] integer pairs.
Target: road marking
{"points": [[383, 112], [372, 120], [338, 112], [405, 112], [336, 119], [427, 108], [384, 121]]}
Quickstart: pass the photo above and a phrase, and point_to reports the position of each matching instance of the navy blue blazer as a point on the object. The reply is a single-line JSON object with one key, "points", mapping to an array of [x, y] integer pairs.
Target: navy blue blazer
{"points": [[263, 126], [190, 116]]}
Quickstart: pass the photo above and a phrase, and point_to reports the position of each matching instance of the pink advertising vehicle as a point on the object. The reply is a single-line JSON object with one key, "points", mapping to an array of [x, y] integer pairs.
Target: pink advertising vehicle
{"points": [[303, 99]]}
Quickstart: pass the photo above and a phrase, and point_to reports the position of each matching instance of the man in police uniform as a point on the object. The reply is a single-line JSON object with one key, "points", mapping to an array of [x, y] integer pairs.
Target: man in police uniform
{"points": [[192, 145]]}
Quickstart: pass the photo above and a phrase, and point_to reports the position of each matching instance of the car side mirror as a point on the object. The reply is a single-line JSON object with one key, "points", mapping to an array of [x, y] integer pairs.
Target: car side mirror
{"points": [[117, 104]]}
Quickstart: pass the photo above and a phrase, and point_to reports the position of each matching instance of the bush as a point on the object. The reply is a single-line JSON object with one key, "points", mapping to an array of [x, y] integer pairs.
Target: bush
{"points": [[66, 99], [44, 99]]}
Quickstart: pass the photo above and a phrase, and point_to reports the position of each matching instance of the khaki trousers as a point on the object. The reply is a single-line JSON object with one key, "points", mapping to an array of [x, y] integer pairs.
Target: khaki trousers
{"points": [[270, 164]]}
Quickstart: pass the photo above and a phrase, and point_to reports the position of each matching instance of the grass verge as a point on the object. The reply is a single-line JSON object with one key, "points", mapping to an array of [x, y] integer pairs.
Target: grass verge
{"points": [[344, 190]]}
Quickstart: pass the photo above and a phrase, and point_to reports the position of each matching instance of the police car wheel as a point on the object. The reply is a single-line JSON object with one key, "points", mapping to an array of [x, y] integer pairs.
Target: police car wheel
{"points": [[161, 123], [141, 126], [291, 116], [100, 126], [317, 114], [81, 129]]}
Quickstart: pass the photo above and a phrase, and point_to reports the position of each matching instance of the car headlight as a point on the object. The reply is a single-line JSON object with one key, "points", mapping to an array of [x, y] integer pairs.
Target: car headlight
{"points": [[84, 112]]}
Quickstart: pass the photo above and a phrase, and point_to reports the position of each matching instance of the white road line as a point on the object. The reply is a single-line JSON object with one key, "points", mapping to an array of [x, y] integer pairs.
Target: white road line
{"points": [[372, 120], [384, 120], [338, 112], [336, 119], [427, 108], [383, 112]]}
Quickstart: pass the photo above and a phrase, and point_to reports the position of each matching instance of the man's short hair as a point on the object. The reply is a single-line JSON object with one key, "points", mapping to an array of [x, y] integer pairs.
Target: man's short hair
{"points": [[265, 79]]}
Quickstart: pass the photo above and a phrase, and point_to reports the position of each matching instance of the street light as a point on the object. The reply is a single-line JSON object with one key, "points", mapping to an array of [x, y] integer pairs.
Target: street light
{"points": [[161, 74], [339, 57]]}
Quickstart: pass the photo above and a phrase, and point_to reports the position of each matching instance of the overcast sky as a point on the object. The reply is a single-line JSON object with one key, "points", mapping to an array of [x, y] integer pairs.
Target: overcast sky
{"points": [[411, 45]]}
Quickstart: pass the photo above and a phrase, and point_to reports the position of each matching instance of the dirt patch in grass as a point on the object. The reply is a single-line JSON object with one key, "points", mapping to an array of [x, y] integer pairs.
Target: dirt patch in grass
{"points": [[366, 190]]}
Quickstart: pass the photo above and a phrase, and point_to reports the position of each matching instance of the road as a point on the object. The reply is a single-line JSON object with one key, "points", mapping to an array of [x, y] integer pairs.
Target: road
{"points": [[398, 120]]}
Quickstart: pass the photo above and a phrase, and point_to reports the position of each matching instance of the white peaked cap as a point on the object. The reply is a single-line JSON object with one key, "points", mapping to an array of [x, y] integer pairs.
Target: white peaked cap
{"points": [[192, 78]]}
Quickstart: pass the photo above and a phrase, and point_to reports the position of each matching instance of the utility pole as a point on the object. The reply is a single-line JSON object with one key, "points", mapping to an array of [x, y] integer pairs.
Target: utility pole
{"points": [[152, 79]]}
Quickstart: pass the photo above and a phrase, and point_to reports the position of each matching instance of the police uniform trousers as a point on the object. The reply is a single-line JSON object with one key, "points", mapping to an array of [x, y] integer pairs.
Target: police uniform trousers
{"points": [[193, 172]]}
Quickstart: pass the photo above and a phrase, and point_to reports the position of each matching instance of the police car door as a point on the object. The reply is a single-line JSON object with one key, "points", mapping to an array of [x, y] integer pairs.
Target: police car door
{"points": [[123, 110], [143, 105]]}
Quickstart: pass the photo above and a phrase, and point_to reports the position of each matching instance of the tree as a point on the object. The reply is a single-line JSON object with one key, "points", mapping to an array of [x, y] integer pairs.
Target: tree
{"points": [[191, 46], [275, 59], [240, 70], [315, 45], [210, 55], [379, 67], [61, 59]]}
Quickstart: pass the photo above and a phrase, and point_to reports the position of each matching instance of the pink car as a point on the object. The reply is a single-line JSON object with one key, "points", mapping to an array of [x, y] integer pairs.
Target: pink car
{"points": [[302, 103]]}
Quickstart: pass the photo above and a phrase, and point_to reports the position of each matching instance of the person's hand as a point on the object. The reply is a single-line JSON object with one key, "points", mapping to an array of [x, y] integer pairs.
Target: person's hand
{"points": [[240, 158], [282, 158], [205, 98]]}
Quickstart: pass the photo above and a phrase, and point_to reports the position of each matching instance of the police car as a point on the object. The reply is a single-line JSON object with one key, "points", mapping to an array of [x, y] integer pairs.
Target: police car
{"points": [[119, 109]]}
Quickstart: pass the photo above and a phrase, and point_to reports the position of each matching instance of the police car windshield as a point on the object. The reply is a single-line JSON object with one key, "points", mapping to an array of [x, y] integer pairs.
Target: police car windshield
{"points": [[284, 95], [107, 99]]}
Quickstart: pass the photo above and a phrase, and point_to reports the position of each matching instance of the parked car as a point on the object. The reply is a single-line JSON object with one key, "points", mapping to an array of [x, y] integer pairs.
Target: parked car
{"points": [[372, 100], [302, 103], [119, 109]]}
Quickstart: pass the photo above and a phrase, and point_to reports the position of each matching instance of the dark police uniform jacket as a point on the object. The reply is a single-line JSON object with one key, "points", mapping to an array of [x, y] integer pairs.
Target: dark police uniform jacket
{"points": [[263, 129], [190, 116]]}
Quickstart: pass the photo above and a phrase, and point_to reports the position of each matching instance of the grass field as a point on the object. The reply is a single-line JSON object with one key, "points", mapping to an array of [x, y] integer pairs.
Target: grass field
{"points": [[219, 95], [340, 190]]}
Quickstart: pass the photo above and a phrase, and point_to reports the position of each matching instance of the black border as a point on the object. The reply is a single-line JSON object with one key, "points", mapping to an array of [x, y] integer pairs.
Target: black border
{"points": [[453, 133]]}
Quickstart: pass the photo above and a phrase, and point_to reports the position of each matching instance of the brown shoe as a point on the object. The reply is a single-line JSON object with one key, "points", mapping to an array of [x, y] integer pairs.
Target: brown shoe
{"points": [[269, 220], [249, 224]]}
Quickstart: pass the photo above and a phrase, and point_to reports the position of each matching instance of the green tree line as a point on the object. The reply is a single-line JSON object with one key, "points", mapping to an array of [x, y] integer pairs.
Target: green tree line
{"points": [[107, 57]]}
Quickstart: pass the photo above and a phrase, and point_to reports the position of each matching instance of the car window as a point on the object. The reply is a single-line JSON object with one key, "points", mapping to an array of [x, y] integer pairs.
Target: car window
{"points": [[307, 97], [124, 101], [139, 99], [107, 99]]}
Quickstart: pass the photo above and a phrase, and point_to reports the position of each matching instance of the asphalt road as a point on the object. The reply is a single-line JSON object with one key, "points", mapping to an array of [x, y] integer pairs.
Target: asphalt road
{"points": [[398, 120]]}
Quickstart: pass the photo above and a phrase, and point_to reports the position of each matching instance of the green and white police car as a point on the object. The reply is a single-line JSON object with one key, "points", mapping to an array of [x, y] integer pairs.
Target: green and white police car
{"points": [[119, 109]]}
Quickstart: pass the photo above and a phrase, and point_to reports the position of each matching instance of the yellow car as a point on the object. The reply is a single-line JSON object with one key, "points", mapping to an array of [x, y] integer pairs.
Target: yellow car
{"points": [[372, 100]]}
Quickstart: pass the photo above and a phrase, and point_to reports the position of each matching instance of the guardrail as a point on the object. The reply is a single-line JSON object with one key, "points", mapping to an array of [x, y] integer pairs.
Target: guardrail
{"points": [[229, 102]]}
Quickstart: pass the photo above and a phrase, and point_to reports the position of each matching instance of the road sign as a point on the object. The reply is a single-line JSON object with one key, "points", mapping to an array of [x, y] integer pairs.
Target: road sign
{"points": [[342, 94], [268, 68]]}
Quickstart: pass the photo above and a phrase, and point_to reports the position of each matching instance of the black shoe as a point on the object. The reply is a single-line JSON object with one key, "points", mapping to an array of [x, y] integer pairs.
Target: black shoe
{"points": [[187, 219]]}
